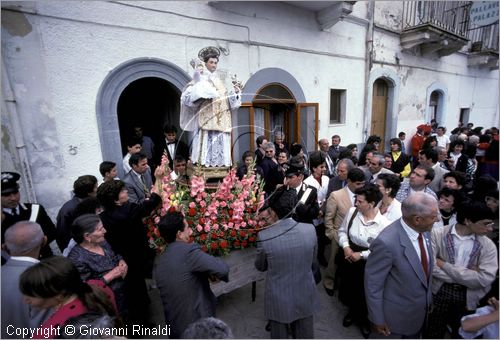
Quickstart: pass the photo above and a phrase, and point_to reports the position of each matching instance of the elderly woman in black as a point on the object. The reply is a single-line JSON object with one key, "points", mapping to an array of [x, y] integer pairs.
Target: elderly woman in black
{"points": [[360, 227], [94, 258], [127, 235]]}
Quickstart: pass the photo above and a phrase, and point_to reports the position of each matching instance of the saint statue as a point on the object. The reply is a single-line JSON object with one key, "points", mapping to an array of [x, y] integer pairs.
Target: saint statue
{"points": [[206, 107]]}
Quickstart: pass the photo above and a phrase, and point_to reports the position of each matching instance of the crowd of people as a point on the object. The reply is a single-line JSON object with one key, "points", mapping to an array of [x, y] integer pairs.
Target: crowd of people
{"points": [[412, 233]]}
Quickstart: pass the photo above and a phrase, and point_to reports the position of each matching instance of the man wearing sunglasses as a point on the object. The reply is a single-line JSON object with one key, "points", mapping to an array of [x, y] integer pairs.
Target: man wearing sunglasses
{"points": [[14, 211]]}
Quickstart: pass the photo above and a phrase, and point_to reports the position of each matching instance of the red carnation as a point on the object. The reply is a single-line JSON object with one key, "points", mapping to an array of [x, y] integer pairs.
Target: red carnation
{"points": [[233, 233], [231, 212], [192, 212], [204, 248], [244, 243], [223, 244], [242, 233], [251, 239], [213, 245], [202, 220], [236, 244], [203, 237], [172, 209]]}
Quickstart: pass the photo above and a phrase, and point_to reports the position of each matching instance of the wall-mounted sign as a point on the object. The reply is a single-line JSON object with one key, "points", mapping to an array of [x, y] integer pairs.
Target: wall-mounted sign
{"points": [[483, 13]]}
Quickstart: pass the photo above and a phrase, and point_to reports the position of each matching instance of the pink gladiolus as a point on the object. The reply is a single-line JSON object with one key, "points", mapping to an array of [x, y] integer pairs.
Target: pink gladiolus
{"points": [[203, 204], [215, 226], [207, 228], [192, 205], [230, 225], [199, 228], [223, 204], [157, 219]]}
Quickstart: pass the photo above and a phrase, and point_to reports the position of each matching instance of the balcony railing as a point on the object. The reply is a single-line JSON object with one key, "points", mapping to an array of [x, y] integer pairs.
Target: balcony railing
{"points": [[484, 38], [450, 16]]}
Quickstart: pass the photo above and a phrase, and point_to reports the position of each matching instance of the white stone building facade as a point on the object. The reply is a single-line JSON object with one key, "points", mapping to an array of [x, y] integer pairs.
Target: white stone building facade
{"points": [[66, 67]]}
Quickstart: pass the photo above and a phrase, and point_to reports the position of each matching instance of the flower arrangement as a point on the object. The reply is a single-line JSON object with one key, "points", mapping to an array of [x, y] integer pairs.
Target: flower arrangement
{"points": [[221, 219]]}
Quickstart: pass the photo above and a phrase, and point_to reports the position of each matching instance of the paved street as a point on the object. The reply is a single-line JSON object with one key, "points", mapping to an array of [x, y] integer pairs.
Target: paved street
{"points": [[246, 318]]}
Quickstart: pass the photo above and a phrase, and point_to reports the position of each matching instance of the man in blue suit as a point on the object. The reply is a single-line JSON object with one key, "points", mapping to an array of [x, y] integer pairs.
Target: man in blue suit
{"points": [[399, 270]]}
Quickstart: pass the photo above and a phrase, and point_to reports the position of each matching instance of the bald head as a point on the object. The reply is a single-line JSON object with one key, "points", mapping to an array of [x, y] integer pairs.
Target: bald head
{"points": [[323, 144], [420, 211], [24, 239]]}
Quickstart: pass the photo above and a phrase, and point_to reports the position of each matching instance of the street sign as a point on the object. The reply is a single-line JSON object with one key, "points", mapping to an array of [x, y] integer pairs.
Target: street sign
{"points": [[483, 13]]}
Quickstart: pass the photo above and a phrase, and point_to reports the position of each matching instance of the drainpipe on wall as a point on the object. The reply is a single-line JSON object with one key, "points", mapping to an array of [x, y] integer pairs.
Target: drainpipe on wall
{"points": [[17, 133], [368, 66]]}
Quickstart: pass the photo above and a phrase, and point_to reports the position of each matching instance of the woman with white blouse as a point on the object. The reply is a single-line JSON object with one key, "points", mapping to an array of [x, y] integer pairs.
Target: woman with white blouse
{"points": [[359, 229], [389, 184], [318, 180]]}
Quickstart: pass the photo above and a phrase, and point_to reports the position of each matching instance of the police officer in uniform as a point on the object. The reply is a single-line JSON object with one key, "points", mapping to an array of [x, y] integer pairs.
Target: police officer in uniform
{"points": [[14, 211]]}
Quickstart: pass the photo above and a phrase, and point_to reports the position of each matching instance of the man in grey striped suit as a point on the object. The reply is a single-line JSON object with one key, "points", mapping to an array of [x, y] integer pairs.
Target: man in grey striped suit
{"points": [[287, 249]]}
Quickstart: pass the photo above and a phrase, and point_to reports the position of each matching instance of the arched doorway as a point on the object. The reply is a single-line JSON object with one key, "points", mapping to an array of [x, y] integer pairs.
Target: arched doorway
{"points": [[280, 97], [171, 78], [435, 106], [273, 109], [150, 103], [379, 109], [436, 102], [389, 93]]}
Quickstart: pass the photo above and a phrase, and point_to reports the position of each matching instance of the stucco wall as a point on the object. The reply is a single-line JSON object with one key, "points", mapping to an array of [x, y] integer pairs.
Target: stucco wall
{"points": [[57, 55]]}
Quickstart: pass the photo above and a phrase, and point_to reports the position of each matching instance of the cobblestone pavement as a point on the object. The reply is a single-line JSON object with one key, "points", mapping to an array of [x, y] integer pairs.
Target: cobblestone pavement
{"points": [[246, 318]]}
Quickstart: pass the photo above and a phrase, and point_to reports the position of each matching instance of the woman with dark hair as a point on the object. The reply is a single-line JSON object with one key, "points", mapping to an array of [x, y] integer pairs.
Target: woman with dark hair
{"points": [[318, 180], [56, 283], [389, 184], [248, 159], [360, 227], [182, 274], [430, 142], [354, 148], [94, 258], [457, 160], [448, 202], [350, 152], [375, 141], [400, 161], [127, 235]]}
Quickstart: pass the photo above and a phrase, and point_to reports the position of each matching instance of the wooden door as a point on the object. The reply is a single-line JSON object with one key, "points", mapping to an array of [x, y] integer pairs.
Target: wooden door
{"points": [[306, 125], [379, 110]]}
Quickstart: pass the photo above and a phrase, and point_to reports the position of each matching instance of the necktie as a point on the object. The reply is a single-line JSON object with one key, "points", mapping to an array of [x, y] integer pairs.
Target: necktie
{"points": [[144, 184], [423, 255], [14, 211]]}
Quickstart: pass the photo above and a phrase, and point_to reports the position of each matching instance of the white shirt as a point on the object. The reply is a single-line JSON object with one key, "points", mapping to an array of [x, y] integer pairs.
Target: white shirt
{"points": [[352, 196], [440, 224], [24, 258], [455, 158], [321, 188], [170, 148], [488, 332], [362, 232], [126, 166], [413, 235], [443, 140], [393, 211], [463, 247]]}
